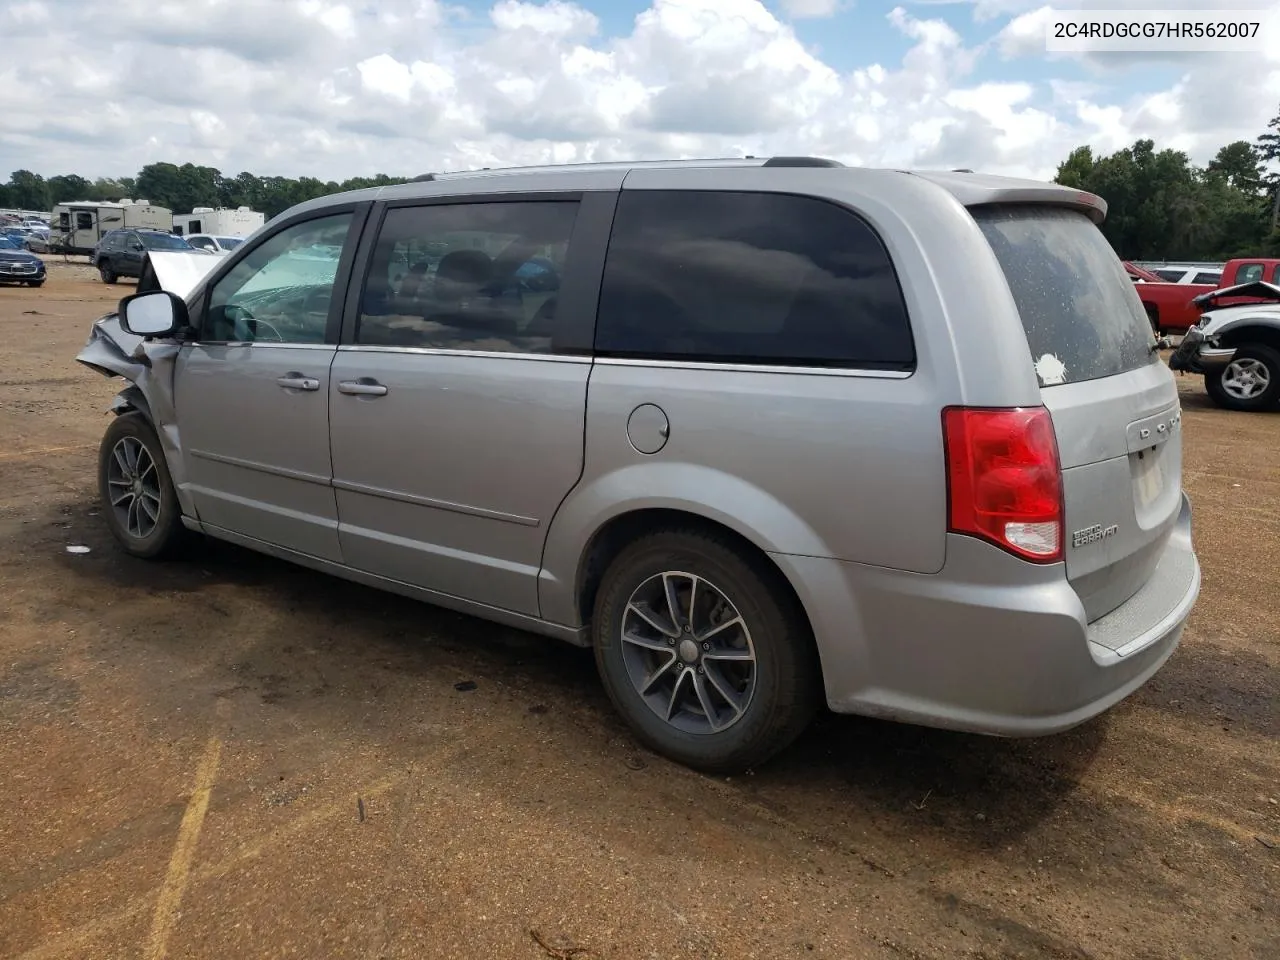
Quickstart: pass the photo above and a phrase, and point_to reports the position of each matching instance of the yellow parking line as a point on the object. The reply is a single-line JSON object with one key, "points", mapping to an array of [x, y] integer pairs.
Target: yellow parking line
{"points": [[23, 454], [75, 942], [184, 852]]}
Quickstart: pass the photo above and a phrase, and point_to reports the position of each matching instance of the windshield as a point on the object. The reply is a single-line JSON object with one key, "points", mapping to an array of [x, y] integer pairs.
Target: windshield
{"points": [[163, 241], [1082, 317], [7, 244]]}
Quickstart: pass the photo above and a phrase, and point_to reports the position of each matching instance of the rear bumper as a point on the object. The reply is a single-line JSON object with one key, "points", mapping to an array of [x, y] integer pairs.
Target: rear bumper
{"points": [[1003, 650]]}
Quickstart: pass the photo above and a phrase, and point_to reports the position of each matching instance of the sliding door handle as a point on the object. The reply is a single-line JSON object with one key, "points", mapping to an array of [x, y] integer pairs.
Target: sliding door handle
{"points": [[297, 381], [364, 387]]}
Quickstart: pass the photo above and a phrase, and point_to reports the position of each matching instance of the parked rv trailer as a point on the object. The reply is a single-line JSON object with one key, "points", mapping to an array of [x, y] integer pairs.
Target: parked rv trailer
{"points": [[222, 222], [79, 225]]}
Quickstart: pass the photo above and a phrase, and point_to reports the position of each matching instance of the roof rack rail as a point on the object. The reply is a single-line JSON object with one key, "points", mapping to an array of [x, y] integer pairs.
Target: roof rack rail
{"points": [[802, 162], [962, 170], [425, 178]]}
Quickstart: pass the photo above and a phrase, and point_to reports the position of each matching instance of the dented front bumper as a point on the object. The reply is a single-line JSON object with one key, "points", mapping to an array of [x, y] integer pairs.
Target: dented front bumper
{"points": [[1198, 354]]}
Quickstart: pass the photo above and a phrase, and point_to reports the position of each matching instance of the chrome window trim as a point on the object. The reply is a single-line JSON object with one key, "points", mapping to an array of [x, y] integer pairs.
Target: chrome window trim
{"points": [[639, 362], [757, 368], [260, 343], [447, 352]]}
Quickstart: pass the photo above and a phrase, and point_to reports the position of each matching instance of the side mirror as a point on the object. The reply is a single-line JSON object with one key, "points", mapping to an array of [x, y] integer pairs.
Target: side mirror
{"points": [[136, 247], [155, 314]]}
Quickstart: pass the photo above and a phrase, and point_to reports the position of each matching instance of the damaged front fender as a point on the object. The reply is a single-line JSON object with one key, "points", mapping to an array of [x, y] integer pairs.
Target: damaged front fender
{"points": [[149, 366]]}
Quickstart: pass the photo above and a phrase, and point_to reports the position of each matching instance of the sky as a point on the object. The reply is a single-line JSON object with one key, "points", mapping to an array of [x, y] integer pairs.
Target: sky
{"points": [[342, 88]]}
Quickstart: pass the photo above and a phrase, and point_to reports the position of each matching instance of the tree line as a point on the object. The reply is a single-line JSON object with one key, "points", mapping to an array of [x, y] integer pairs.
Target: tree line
{"points": [[179, 188], [1160, 206]]}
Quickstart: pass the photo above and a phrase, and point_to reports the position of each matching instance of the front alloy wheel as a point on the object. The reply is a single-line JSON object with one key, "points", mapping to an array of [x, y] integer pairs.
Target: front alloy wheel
{"points": [[134, 486], [137, 494]]}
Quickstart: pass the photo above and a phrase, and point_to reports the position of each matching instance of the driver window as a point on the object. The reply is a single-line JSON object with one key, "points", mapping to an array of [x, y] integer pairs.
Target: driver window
{"points": [[280, 292], [468, 276]]}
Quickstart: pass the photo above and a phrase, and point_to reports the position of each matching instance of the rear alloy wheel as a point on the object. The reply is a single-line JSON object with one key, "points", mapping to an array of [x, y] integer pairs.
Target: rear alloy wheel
{"points": [[138, 499], [104, 270], [702, 652], [1251, 381]]}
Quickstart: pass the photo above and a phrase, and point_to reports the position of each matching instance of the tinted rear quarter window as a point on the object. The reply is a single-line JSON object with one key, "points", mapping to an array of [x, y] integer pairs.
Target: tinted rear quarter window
{"points": [[1082, 317], [749, 278]]}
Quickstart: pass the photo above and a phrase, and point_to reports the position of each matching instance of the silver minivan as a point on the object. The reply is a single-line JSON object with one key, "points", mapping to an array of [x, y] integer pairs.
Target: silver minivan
{"points": [[767, 435]]}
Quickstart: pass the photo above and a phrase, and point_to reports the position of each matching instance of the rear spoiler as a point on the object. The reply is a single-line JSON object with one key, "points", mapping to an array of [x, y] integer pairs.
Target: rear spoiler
{"points": [[1255, 289], [981, 189]]}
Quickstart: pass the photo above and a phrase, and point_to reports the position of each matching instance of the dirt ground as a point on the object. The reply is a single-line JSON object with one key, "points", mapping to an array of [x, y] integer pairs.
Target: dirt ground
{"points": [[231, 757]]}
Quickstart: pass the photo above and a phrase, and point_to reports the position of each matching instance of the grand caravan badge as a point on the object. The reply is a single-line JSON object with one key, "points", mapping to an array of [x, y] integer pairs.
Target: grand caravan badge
{"points": [[1082, 538]]}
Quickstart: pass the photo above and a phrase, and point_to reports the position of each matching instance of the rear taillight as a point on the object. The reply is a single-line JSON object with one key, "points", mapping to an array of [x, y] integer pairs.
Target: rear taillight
{"points": [[1004, 480]]}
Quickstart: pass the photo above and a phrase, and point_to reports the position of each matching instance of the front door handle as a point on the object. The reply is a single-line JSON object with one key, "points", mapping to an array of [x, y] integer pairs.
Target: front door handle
{"points": [[364, 387], [297, 381]]}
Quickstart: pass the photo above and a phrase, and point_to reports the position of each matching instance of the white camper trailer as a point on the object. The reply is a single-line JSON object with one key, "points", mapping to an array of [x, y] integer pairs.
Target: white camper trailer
{"points": [[222, 222], [78, 225]]}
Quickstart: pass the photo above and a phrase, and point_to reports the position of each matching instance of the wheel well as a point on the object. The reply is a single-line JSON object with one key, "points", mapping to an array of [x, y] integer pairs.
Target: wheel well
{"points": [[133, 400], [614, 536], [1239, 336]]}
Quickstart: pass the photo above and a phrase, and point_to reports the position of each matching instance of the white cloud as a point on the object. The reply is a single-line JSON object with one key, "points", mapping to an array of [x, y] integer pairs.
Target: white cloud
{"points": [[811, 9], [335, 89]]}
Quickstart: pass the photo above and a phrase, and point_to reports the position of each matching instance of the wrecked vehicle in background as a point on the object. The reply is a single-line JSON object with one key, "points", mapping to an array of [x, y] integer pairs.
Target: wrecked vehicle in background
{"points": [[1236, 347]]}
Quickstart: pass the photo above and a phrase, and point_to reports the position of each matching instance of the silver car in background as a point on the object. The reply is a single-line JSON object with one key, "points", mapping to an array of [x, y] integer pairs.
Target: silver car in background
{"points": [[766, 435]]}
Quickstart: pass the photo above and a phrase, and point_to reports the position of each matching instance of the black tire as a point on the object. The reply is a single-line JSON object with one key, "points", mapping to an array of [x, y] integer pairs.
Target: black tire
{"points": [[1153, 317], [104, 270], [35, 283], [1266, 355], [787, 686], [167, 534]]}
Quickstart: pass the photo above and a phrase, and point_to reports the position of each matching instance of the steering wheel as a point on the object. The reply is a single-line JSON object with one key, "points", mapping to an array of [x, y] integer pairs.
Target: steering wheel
{"points": [[242, 320]]}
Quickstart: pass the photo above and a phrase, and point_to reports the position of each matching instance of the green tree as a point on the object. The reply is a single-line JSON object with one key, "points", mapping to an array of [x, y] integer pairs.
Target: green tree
{"points": [[1240, 165], [68, 186], [28, 191], [1161, 206]]}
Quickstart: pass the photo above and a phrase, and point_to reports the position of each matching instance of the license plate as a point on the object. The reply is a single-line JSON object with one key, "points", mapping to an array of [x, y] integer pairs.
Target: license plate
{"points": [[1150, 479]]}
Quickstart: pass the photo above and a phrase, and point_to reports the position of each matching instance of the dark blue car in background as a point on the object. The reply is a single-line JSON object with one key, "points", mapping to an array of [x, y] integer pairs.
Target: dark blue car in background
{"points": [[19, 266]]}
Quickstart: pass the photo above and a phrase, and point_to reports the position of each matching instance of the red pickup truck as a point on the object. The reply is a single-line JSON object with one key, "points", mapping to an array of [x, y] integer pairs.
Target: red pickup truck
{"points": [[1169, 304]]}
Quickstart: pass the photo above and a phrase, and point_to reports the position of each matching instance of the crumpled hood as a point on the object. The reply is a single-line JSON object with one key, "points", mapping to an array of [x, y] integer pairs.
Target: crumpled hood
{"points": [[179, 272], [112, 350]]}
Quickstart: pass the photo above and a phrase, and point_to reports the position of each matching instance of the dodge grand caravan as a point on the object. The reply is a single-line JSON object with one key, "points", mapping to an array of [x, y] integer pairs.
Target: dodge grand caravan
{"points": [[766, 435]]}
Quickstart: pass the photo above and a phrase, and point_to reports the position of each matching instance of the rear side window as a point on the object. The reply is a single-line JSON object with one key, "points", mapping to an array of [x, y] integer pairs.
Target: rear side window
{"points": [[1082, 317], [749, 278], [1172, 276], [1210, 278]]}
